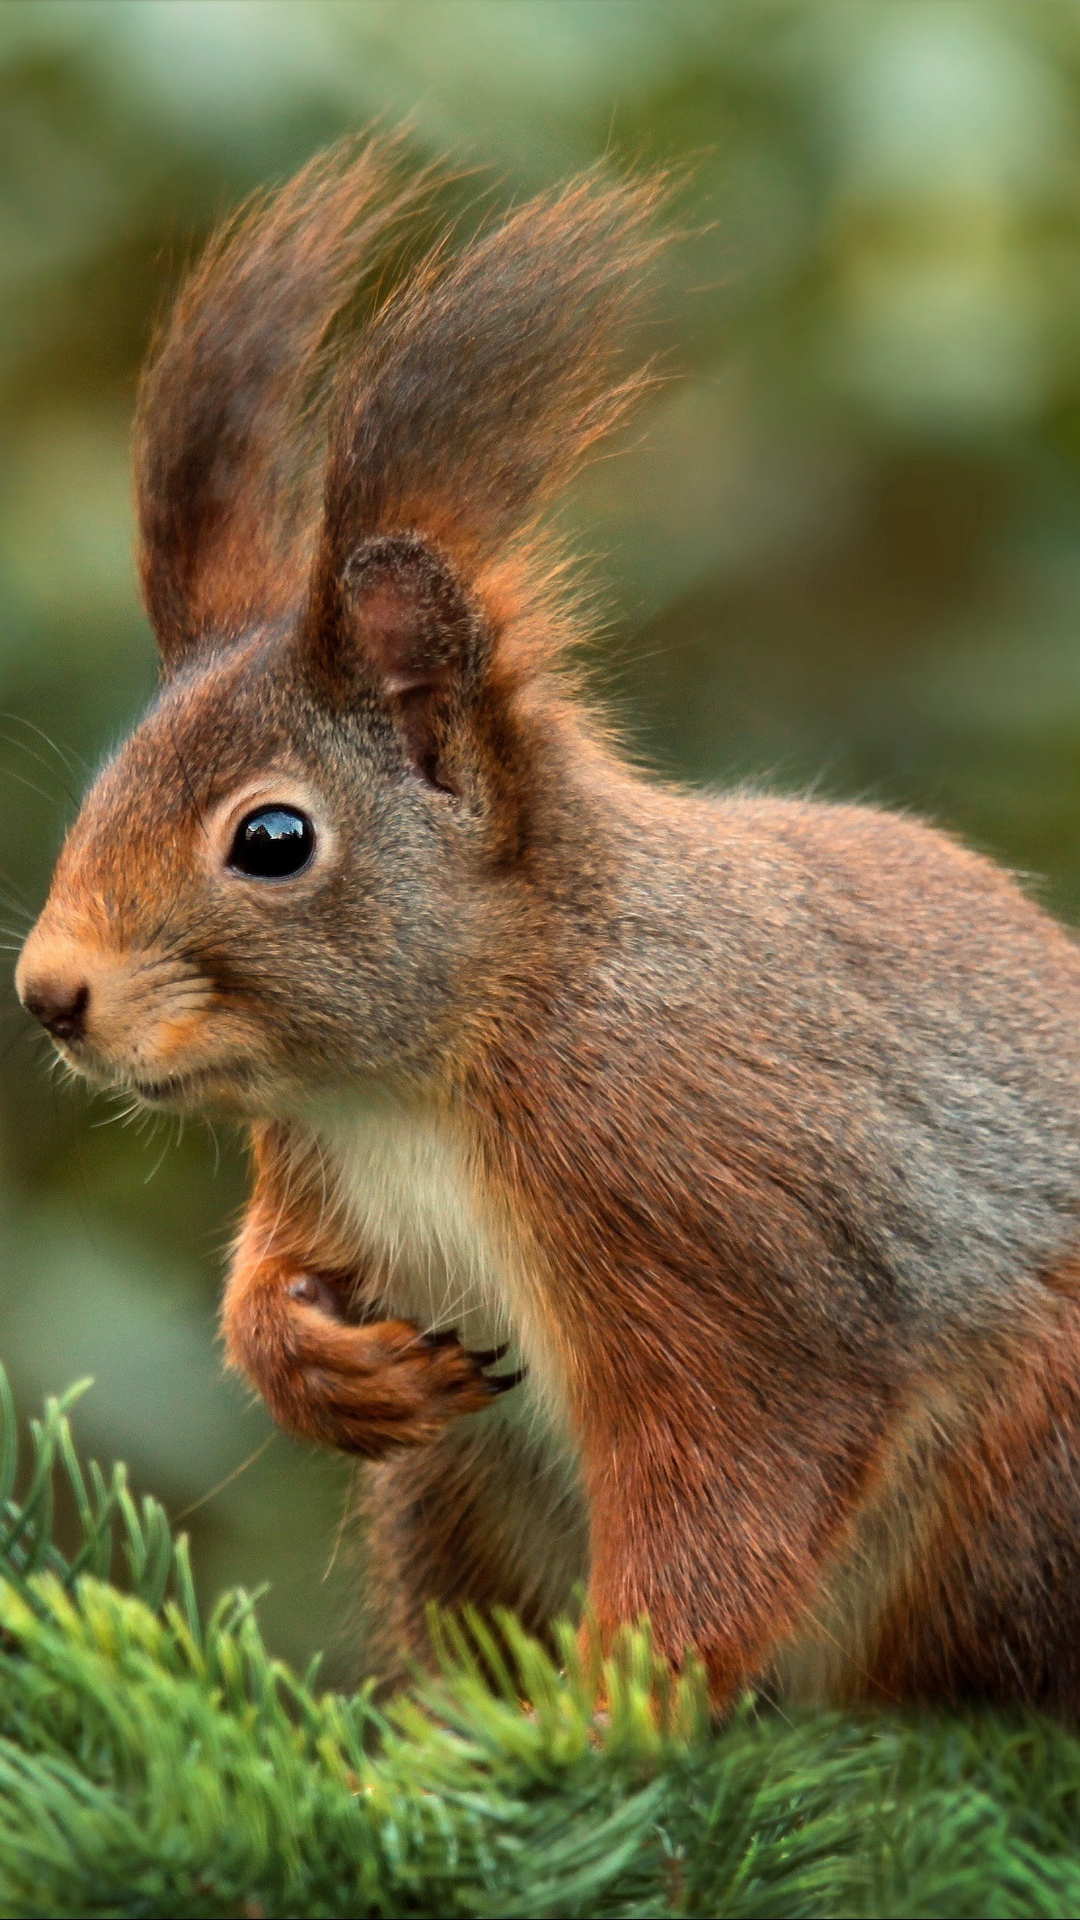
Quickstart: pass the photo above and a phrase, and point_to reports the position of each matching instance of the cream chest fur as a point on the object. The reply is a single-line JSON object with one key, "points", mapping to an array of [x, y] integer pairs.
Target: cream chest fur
{"points": [[441, 1250]]}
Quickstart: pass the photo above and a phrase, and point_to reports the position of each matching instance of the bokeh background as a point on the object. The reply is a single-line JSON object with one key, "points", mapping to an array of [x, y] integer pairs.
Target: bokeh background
{"points": [[841, 549]]}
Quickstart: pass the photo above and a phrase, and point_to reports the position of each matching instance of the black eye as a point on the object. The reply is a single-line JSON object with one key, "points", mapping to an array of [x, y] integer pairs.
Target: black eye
{"points": [[272, 843]]}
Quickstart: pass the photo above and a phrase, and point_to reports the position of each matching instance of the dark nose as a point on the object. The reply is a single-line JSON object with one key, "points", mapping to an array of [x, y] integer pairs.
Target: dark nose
{"points": [[62, 1009]]}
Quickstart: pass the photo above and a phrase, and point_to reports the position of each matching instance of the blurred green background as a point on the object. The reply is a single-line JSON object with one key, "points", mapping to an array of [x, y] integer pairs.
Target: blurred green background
{"points": [[842, 549]]}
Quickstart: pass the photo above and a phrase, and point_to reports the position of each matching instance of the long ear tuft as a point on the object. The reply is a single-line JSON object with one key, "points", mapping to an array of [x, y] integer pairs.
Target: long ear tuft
{"points": [[224, 439], [480, 384]]}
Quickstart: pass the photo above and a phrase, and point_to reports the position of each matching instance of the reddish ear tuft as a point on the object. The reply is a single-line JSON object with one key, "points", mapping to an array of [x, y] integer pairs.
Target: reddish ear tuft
{"points": [[228, 438]]}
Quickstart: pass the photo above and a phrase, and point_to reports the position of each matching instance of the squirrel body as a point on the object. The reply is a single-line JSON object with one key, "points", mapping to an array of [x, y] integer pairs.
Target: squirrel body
{"points": [[671, 1193]]}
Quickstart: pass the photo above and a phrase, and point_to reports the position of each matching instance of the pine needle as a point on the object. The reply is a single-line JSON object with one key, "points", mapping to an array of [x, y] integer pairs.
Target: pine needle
{"points": [[155, 1762]]}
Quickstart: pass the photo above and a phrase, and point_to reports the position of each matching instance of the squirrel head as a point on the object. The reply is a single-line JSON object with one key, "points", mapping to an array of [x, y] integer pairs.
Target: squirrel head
{"points": [[299, 868]]}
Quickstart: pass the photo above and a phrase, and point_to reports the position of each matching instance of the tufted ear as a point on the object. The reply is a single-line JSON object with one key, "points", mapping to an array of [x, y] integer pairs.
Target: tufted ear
{"points": [[228, 428], [476, 388], [483, 380], [405, 623]]}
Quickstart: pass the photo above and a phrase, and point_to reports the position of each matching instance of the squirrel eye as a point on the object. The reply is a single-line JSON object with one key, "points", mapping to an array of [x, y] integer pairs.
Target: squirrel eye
{"points": [[273, 843]]}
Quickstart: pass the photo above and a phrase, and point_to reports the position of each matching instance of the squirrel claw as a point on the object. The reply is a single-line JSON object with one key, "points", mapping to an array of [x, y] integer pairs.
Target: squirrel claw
{"points": [[503, 1382], [490, 1357], [481, 1357], [487, 1356]]}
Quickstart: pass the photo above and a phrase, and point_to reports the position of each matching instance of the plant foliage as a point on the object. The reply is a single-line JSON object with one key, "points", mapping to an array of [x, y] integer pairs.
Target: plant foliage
{"points": [[152, 1763]]}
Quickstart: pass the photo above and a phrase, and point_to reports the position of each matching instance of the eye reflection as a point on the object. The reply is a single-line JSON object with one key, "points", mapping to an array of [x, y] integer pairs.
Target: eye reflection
{"points": [[272, 843]]}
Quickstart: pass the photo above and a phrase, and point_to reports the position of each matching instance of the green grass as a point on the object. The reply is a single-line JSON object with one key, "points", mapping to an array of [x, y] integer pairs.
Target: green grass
{"points": [[152, 1763]]}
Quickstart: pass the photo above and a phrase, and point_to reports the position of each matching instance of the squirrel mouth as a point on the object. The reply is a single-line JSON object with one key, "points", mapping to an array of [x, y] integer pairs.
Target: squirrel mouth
{"points": [[182, 1089]]}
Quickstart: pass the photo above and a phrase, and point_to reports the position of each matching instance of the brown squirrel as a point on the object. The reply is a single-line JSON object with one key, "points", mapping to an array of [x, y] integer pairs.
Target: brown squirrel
{"points": [[747, 1129]]}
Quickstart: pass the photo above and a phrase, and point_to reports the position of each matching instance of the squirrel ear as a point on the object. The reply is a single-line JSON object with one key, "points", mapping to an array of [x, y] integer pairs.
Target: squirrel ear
{"points": [[232, 403], [407, 622]]}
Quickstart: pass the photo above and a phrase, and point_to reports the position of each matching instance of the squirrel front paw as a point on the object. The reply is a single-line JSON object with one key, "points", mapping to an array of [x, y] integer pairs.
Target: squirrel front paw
{"points": [[363, 1389]]}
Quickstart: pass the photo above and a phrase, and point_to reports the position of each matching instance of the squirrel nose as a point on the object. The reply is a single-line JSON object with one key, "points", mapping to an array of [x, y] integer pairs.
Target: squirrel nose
{"points": [[59, 1006]]}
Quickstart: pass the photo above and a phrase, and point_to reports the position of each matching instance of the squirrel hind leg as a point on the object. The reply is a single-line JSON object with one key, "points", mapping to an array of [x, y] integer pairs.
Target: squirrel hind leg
{"points": [[991, 1608], [488, 1516]]}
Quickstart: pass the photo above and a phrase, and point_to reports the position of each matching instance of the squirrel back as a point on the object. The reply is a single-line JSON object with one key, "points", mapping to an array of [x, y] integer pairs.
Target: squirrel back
{"points": [[753, 1123]]}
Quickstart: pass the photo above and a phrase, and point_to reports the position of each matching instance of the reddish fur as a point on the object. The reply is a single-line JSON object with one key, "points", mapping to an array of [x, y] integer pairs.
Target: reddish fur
{"points": [[366, 1389], [229, 410], [669, 1425], [462, 1524], [999, 1554]]}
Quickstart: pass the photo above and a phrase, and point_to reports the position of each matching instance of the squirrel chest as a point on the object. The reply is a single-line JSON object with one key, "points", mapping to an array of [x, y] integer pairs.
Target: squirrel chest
{"points": [[433, 1245]]}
